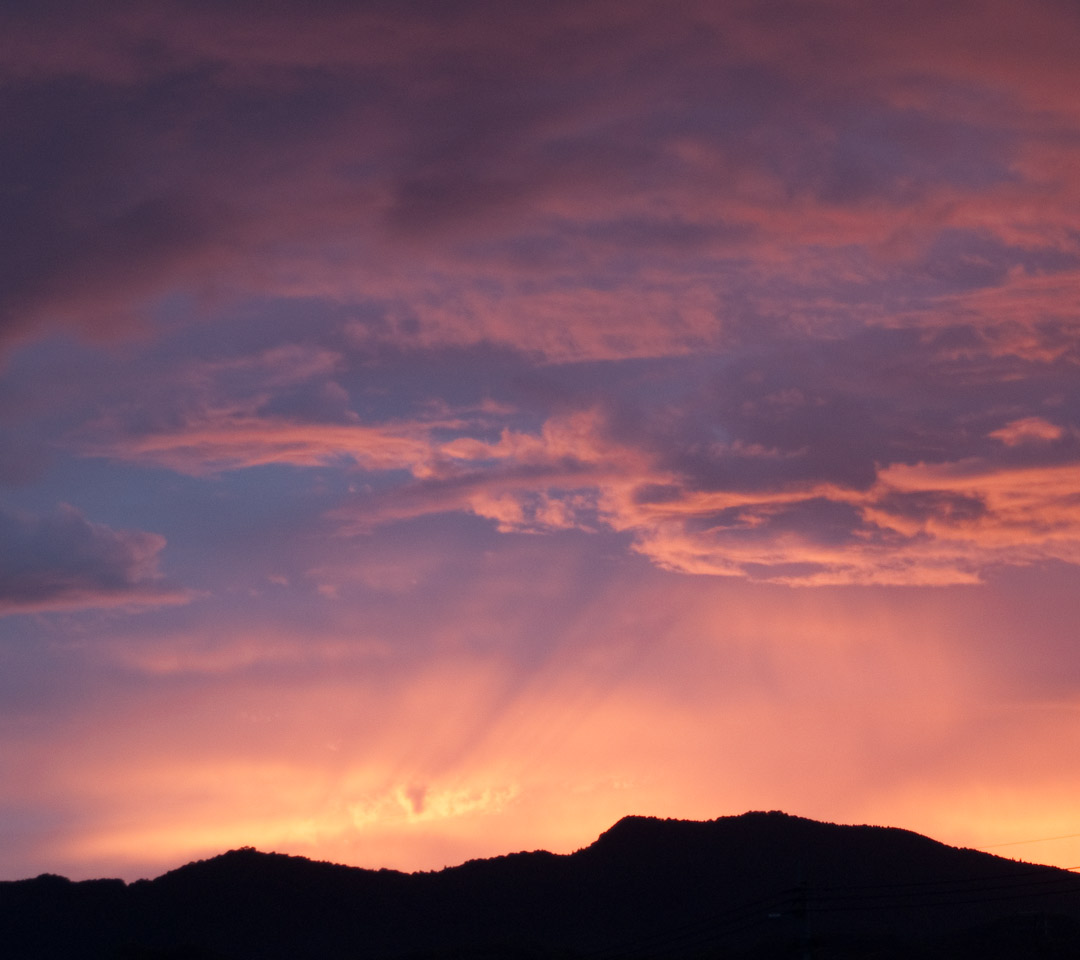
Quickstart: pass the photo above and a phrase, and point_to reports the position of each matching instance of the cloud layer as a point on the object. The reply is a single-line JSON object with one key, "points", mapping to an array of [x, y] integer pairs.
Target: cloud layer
{"points": [[608, 180], [803, 465], [879, 250]]}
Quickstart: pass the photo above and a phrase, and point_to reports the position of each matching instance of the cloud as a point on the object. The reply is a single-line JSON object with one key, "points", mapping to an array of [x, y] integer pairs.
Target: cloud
{"points": [[233, 443], [933, 523], [852, 238], [764, 172], [1027, 430], [875, 458], [63, 561]]}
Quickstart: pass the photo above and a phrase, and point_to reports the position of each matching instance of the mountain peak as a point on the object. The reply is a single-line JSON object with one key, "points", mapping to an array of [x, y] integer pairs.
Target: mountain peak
{"points": [[737, 882], [636, 829]]}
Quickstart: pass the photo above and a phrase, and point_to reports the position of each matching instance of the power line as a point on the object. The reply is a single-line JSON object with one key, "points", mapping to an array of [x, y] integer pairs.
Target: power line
{"points": [[703, 930], [984, 893], [739, 919]]}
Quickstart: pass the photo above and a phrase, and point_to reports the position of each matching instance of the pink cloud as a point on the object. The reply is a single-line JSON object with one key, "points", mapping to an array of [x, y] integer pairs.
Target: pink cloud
{"points": [[566, 205], [594, 210], [931, 523], [1027, 430], [233, 443]]}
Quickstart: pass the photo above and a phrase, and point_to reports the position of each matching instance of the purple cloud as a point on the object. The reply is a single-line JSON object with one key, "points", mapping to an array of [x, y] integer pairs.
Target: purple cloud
{"points": [[605, 180], [63, 561]]}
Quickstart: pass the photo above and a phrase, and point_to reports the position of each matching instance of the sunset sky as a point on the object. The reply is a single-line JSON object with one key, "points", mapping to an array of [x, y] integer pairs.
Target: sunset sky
{"points": [[430, 430]]}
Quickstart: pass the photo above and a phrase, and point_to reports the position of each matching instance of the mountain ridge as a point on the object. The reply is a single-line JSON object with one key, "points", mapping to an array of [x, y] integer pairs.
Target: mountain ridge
{"points": [[747, 885]]}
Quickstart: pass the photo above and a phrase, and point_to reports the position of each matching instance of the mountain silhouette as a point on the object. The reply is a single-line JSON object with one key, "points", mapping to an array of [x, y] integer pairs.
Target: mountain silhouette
{"points": [[756, 886]]}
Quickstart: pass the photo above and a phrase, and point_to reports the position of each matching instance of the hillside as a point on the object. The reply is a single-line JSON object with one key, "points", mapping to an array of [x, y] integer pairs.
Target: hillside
{"points": [[760, 885]]}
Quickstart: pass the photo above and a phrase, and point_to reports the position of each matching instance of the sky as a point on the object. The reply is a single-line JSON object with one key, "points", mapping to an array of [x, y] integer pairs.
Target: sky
{"points": [[430, 430]]}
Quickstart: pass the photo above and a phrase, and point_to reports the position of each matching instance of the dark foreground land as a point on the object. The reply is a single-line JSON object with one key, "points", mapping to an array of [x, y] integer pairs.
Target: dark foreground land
{"points": [[763, 885]]}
